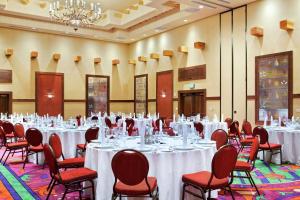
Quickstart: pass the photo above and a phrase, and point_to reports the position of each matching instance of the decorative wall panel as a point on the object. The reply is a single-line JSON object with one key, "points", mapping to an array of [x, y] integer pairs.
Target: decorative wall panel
{"points": [[141, 94]]}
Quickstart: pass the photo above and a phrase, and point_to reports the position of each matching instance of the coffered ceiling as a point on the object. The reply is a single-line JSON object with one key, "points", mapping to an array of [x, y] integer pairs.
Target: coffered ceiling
{"points": [[123, 20]]}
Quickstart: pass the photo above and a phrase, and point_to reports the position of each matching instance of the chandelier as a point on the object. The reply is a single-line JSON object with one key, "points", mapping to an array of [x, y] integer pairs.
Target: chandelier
{"points": [[75, 13]]}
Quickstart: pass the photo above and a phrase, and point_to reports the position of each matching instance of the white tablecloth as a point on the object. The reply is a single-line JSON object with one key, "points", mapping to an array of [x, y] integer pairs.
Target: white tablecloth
{"points": [[289, 139], [208, 127], [167, 167]]}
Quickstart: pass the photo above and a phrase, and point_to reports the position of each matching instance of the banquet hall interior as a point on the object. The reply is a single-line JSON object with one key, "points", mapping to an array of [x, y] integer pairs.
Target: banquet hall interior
{"points": [[149, 99]]}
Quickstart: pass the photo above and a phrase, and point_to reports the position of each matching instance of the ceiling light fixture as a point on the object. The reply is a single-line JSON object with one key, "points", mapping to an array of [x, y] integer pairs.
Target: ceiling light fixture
{"points": [[75, 13], [185, 20], [201, 6]]}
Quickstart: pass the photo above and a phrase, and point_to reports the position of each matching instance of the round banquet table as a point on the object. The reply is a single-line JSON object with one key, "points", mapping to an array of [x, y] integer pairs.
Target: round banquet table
{"points": [[208, 127], [167, 165], [69, 139], [289, 139]]}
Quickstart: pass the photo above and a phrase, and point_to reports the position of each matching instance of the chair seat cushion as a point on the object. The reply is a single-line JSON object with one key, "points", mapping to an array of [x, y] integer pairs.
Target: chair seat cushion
{"points": [[242, 166], [201, 179], [79, 174], [9, 135], [139, 189], [231, 135], [272, 146], [81, 146], [36, 149], [16, 145], [71, 162]]}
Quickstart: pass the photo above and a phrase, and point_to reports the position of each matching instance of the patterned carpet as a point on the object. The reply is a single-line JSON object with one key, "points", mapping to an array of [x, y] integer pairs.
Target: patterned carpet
{"points": [[274, 182]]}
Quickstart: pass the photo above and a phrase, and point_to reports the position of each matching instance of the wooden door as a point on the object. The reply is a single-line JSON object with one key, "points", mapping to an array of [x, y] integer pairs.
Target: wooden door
{"points": [[5, 102], [192, 102], [49, 93], [164, 94]]}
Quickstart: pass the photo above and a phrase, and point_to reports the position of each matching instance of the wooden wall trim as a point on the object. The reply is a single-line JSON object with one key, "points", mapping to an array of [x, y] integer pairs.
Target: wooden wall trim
{"points": [[175, 99], [251, 97], [151, 100], [213, 98], [121, 101], [23, 100], [296, 96], [74, 100]]}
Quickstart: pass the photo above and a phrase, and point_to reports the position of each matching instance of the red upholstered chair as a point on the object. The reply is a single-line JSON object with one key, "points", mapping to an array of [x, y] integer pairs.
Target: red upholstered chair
{"points": [[90, 134], [71, 179], [199, 128], [228, 121], [248, 166], [34, 139], [11, 147], [130, 169], [19, 132], [220, 136], [8, 128], [233, 133], [62, 162], [247, 129], [264, 143], [221, 175]]}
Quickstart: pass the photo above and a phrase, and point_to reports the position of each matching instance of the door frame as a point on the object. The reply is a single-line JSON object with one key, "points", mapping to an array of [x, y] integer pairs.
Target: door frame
{"points": [[9, 93], [63, 89], [164, 72], [188, 92]]}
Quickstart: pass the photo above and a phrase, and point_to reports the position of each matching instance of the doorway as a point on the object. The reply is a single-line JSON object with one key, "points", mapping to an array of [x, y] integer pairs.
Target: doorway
{"points": [[192, 102], [6, 102]]}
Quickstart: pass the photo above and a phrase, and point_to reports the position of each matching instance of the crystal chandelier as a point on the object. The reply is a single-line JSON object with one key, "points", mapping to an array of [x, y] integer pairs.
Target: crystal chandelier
{"points": [[75, 12]]}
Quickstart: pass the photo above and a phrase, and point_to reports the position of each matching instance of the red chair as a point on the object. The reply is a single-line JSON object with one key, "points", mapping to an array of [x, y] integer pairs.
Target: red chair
{"points": [[220, 136], [66, 163], [90, 134], [248, 166], [19, 132], [71, 179], [130, 169], [8, 128], [221, 175], [108, 122], [199, 128], [264, 143], [34, 139], [130, 127], [247, 129], [11, 147], [233, 133], [228, 121]]}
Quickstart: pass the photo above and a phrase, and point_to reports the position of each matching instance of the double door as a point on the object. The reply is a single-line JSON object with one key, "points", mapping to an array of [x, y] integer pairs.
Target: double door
{"points": [[192, 102]]}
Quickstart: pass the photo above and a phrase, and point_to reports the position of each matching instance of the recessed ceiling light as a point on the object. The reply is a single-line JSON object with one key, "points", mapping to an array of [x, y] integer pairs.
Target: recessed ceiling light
{"points": [[33, 28], [201, 6], [185, 20]]}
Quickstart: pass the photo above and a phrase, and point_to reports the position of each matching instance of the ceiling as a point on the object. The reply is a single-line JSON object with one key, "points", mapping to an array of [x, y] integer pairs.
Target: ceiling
{"points": [[123, 21]]}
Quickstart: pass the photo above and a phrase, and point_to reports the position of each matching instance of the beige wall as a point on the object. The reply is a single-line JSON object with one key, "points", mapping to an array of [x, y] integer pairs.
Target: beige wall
{"points": [[23, 86], [264, 13]]}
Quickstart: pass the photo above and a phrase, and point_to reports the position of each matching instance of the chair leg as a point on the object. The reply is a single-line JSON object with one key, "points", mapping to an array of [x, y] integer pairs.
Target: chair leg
{"points": [[183, 191], [7, 157], [280, 156], [50, 184], [209, 194], [37, 158], [3, 155], [231, 192], [251, 179], [26, 159], [51, 188], [64, 195]]}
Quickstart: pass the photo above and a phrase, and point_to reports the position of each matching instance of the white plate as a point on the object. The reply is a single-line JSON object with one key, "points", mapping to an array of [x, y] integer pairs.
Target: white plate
{"points": [[183, 147], [206, 142], [165, 150], [144, 149], [95, 141], [102, 146]]}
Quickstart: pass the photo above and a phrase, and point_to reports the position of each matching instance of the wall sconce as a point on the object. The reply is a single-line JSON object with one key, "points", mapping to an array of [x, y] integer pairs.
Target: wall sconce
{"points": [[163, 94], [50, 95]]}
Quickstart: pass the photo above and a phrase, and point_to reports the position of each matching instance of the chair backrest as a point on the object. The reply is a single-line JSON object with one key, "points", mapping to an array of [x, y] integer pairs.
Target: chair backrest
{"points": [[199, 128], [55, 143], [247, 128], [117, 118], [107, 122], [254, 149], [94, 118], [220, 136], [157, 122], [262, 133], [228, 121], [1, 122], [224, 161], [130, 166], [91, 134], [50, 160], [34, 137], [2, 136], [129, 122], [8, 127], [19, 130]]}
